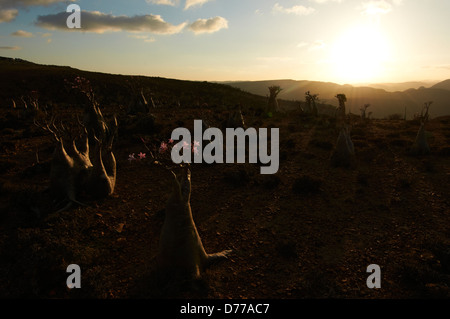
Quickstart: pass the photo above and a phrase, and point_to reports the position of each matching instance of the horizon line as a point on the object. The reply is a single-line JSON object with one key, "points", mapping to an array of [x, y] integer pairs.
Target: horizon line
{"points": [[427, 81]]}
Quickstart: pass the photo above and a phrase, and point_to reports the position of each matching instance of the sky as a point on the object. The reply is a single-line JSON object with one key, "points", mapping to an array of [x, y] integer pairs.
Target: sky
{"points": [[341, 41]]}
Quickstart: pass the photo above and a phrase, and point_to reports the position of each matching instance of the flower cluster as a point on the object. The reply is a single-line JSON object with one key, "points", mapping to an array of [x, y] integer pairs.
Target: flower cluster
{"points": [[132, 157], [163, 153], [83, 85], [169, 146]]}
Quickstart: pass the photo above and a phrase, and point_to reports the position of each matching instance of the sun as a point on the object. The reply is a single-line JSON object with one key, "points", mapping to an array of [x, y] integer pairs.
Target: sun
{"points": [[359, 55]]}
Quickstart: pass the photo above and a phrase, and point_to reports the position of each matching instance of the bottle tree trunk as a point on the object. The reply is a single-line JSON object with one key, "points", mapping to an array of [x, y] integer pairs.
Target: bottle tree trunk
{"points": [[311, 103], [273, 102]]}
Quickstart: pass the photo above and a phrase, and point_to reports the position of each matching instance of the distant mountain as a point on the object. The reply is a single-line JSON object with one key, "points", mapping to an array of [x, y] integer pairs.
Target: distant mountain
{"points": [[398, 87], [444, 85], [383, 103], [18, 78]]}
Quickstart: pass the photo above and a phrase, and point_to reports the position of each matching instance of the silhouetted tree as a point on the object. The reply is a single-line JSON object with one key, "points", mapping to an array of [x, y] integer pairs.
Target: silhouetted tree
{"points": [[340, 111], [273, 102], [311, 103], [363, 111]]}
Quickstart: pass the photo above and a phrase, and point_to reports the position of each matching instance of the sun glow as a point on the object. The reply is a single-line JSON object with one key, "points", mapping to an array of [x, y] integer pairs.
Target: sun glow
{"points": [[360, 54]]}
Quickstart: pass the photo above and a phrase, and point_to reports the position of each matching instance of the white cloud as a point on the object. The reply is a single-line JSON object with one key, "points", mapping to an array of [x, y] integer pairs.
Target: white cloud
{"points": [[22, 33], [10, 48], [325, 1], [259, 12], [208, 25], [378, 7], [8, 15], [316, 45], [164, 2], [397, 2], [298, 10], [143, 37], [193, 3], [98, 22]]}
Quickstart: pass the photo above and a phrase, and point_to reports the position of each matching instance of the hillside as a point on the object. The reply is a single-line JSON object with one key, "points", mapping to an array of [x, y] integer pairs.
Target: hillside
{"points": [[18, 78], [382, 103], [398, 87], [445, 85], [307, 232]]}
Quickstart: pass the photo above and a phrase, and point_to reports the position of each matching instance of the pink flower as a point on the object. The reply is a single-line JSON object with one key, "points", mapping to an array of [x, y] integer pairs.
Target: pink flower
{"points": [[196, 144], [171, 141], [195, 150], [163, 147], [186, 145], [131, 157], [142, 155]]}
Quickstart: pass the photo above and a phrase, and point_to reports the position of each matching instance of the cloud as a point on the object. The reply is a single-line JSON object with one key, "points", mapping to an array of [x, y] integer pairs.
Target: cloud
{"points": [[8, 8], [22, 33], [193, 3], [316, 45], [8, 15], [379, 7], [144, 37], [98, 22], [27, 3], [297, 10], [10, 48], [325, 1], [208, 25], [164, 2]]}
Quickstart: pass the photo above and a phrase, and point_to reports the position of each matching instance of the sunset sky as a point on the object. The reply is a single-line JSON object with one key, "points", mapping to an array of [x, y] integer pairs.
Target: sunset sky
{"points": [[342, 41]]}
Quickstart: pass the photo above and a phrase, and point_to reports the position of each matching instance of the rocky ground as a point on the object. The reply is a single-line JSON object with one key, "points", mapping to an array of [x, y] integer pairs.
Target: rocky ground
{"points": [[309, 231]]}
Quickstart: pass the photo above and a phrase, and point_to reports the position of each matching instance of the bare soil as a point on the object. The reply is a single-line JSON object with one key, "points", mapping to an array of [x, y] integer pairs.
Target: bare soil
{"points": [[309, 231]]}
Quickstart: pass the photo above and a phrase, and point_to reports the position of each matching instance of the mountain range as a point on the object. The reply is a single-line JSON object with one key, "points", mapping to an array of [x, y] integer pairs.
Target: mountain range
{"points": [[18, 77], [383, 103]]}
